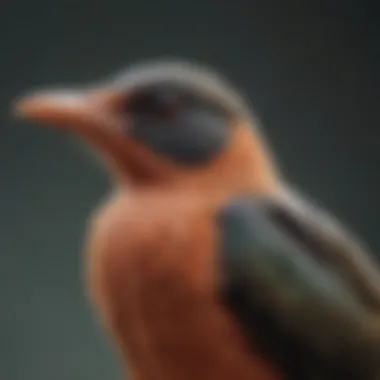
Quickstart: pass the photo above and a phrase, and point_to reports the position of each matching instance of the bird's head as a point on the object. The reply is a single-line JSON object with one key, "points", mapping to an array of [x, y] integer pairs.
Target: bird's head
{"points": [[163, 123]]}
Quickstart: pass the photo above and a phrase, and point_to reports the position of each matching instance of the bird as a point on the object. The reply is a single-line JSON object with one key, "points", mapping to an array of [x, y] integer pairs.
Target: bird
{"points": [[205, 262]]}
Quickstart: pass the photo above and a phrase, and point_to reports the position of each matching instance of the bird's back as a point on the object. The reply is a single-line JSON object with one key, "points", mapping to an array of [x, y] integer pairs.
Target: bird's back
{"points": [[152, 256]]}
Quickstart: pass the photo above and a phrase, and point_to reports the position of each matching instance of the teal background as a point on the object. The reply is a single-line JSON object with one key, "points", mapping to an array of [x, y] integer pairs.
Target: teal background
{"points": [[311, 70]]}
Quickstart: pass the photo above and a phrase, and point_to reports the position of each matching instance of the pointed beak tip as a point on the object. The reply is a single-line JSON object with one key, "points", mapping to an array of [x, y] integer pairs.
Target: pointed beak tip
{"points": [[64, 109], [24, 105], [42, 104], [19, 107]]}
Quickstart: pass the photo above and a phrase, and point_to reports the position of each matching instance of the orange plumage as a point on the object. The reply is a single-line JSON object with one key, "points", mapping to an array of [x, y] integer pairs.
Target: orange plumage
{"points": [[153, 248]]}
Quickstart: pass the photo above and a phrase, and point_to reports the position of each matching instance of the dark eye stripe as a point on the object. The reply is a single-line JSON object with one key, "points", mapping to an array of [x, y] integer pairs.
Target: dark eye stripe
{"points": [[178, 123], [167, 100], [156, 102]]}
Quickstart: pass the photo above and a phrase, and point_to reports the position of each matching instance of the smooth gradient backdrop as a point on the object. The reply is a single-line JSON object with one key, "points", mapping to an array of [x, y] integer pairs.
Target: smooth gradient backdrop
{"points": [[310, 69]]}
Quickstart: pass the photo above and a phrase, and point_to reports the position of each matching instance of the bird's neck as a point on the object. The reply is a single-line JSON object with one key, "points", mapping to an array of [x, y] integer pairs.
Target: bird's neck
{"points": [[245, 166]]}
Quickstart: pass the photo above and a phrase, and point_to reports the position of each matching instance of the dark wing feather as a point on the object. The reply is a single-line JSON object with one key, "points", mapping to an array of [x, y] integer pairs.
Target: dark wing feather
{"points": [[303, 289]]}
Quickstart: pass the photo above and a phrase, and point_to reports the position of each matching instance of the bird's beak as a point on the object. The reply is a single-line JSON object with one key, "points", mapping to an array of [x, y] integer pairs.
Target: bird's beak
{"points": [[86, 112], [98, 116]]}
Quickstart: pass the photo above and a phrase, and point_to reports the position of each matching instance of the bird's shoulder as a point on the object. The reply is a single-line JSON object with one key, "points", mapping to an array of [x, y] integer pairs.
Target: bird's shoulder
{"points": [[300, 284]]}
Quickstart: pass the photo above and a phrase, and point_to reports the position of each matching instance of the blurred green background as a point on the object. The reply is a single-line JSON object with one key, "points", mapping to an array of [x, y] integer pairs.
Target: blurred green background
{"points": [[311, 70]]}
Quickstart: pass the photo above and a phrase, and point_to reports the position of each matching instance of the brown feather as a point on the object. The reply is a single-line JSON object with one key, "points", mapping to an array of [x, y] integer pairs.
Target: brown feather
{"points": [[153, 272]]}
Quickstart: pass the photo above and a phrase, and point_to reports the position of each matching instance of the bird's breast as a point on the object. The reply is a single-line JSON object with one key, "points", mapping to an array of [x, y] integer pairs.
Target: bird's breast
{"points": [[153, 274]]}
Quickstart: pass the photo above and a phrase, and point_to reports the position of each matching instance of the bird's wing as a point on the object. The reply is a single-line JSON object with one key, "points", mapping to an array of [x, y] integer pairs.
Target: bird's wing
{"points": [[297, 283]]}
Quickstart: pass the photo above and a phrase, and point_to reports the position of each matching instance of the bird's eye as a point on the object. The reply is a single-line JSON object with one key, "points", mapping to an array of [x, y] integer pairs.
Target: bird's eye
{"points": [[163, 103]]}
